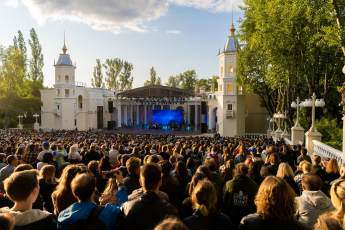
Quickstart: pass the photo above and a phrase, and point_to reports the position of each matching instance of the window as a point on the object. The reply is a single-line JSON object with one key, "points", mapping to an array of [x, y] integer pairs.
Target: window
{"points": [[66, 92], [66, 78], [80, 101], [58, 107], [229, 107], [75, 122], [229, 88]]}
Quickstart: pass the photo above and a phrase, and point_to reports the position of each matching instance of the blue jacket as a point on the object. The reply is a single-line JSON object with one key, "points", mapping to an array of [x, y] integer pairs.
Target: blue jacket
{"points": [[79, 211]]}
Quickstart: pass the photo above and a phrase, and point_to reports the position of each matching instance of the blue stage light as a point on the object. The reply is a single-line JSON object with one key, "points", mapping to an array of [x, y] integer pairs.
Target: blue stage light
{"points": [[166, 117]]}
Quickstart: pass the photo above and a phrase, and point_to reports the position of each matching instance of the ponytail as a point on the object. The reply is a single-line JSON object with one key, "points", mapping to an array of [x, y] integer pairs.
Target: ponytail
{"points": [[203, 210]]}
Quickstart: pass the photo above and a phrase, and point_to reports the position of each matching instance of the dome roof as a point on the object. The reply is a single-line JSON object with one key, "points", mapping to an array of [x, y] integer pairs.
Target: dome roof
{"points": [[64, 59], [232, 44]]}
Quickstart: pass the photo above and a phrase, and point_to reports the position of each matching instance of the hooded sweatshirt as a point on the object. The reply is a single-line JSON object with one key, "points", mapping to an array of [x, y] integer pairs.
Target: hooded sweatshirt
{"points": [[31, 219], [310, 205]]}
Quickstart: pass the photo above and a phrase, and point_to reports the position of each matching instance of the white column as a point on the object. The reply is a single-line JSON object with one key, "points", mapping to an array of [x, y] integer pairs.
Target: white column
{"points": [[145, 114], [126, 114], [119, 116], [131, 114], [188, 114], [138, 114], [196, 117]]}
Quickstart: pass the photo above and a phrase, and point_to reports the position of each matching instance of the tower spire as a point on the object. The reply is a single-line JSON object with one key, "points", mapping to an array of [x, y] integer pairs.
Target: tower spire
{"points": [[64, 48], [232, 27]]}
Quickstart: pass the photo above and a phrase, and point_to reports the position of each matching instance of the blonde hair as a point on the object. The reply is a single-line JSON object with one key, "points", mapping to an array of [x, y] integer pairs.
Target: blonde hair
{"points": [[47, 173], [305, 166], [171, 224], [204, 197], [275, 199], [338, 200], [111, 187], [332, 166], [284, 170]]}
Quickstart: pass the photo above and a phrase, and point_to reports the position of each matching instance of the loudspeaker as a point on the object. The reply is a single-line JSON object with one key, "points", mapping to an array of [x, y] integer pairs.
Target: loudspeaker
{"points": [[110, 107], [111, 125], [203, 107], [204, 128]]}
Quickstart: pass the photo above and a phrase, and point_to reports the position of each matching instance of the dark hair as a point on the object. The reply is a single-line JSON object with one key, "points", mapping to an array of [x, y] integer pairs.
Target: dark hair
{"points": [[150, 175], [241, 169], [10, 159], [19, 185], [23, 167], [311, 182], [83, 186]]}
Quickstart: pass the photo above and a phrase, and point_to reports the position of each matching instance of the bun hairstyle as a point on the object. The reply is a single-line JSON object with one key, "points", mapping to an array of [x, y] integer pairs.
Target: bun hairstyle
{"points": [[204, 197], [338, 200]]}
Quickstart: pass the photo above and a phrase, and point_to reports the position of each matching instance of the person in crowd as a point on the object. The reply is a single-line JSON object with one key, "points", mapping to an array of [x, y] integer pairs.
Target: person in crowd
{"points": [[62, 197], [239, 194], [85, 212], [30, 154], [6, 171], [113, 155], [313, 202], [131, 181], [45, 147], [285, 172], [2, 160], [171, 224], [254, 171], [73, 154], [317, 167], [206, 215], [112, 194], [92, 154], [7, 221], [275, 207], [272, 163], [150, 208], [48, 183], [304, 167], [332, 171], [334, 220], [23, 189], [303, 156], [170, 184]]}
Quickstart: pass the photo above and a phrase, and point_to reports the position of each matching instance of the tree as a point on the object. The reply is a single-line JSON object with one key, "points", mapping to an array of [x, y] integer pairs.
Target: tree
{"points": [[97, 79], [339, 8], [187, 79], [113, 69], [154, 79], [126, 80], [36, 61], [172, 82]]}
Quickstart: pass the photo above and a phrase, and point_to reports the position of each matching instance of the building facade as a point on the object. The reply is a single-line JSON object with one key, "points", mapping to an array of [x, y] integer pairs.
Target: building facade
{"points": [[71, 105]]}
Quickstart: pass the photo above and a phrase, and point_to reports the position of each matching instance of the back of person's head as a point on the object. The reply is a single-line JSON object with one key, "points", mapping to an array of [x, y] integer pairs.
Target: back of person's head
{"points": [[211, 164], [342, 170], [150, 176], [316, 159], [68, 173], [195, 180], [285, 170], [241, 169], [171, 224], [204, 197], [93, 166], [83, 187], [306, 167], [273, 159], [304, 151], [311, 182], [20, 185], [23, 167], [337, 193], [133, 165], [7, 221], [153, 159], [332, 166], [275, 199], [11, 159], [47, 173], [166, 167]]}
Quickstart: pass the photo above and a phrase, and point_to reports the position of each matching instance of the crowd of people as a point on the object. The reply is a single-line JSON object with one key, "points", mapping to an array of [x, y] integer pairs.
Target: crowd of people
{"points": [[101, 180]]}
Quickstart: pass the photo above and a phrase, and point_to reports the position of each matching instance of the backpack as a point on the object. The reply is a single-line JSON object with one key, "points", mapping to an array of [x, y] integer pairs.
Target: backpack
{"points": [[91, 222]]}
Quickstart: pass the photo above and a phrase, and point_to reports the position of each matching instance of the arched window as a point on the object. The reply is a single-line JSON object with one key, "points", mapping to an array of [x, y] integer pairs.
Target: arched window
{"points": [[66, 78], [80, 101]]}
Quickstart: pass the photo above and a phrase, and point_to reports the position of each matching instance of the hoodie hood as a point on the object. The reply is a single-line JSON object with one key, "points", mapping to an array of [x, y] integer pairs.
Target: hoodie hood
{"points": [[317, 199], [76, 212], [27, 217]]}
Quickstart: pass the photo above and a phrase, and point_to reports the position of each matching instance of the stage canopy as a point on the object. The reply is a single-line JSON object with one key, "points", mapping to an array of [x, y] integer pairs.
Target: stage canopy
{"points": [[156, 91]]}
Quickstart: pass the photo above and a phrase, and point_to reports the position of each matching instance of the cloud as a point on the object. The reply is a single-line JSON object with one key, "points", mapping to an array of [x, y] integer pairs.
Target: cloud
{"points": [[176, 32], [115, 15], [11, 3]]}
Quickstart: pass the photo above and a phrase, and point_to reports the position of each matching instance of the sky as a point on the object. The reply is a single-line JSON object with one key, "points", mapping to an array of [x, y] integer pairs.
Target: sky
{"points": [[170, 35]]}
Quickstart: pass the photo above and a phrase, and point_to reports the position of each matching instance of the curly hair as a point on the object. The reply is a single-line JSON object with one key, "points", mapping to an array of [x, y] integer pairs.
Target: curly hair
{"points": [[275, 199]]}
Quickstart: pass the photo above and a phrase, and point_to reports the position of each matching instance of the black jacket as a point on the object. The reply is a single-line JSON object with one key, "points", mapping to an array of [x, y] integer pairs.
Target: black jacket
{"points": [[146, 212], [216, 221], [131, 182], [256, 222]]}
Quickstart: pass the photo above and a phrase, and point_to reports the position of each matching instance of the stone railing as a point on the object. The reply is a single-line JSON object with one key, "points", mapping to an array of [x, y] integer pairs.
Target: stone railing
{"points": [[326, 151], [287, 141], [253, 135]]}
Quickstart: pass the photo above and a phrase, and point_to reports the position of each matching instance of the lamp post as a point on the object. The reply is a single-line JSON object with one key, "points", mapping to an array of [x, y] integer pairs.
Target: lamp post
{"points": [[297, 131], [269, 130], [312, 133], [285, 133], [278, 133], [36, 124], [20, 125]]}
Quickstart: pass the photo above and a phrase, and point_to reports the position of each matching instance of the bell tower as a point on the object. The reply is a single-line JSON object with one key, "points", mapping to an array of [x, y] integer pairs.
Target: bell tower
{"points": [[231, 103]]}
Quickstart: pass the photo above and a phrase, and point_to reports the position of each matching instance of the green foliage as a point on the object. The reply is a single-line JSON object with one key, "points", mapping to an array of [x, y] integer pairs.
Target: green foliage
{"points": [[154, 79], [19, 87], [97, 79], [331, 132], [126, 79], [113, 67]]}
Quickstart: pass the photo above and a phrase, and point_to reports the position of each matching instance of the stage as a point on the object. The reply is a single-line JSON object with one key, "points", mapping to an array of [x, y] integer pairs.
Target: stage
{"points": [[136, 131]]}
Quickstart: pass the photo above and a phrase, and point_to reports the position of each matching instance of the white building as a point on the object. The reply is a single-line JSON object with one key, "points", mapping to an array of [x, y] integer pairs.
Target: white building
{"points": [[71, 105]]}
